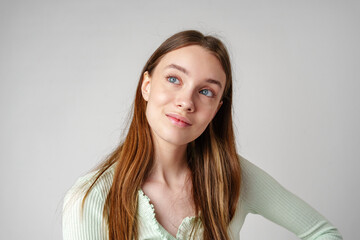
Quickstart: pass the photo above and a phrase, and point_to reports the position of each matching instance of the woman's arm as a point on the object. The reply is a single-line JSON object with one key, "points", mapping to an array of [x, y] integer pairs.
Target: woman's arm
{"points": [[265, 196]]}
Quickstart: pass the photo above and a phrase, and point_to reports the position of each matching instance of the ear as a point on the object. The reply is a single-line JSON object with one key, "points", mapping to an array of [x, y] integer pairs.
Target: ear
{"points": [[145, 86]]}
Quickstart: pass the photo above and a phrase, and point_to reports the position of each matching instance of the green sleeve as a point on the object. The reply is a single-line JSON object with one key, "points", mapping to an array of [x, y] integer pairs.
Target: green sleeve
{"points": [[263, 195]]}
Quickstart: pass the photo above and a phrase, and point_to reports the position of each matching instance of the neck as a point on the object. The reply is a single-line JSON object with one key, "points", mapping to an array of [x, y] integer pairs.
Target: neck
{"points": [[170, 165]]}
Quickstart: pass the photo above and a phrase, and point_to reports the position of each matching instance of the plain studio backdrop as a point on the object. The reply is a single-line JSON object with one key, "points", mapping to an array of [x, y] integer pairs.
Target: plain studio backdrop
{"points": [[68, 72]]}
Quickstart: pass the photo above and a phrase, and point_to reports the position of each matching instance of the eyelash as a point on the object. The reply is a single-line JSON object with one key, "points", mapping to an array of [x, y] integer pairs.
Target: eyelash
{"points": [[213, 94]]}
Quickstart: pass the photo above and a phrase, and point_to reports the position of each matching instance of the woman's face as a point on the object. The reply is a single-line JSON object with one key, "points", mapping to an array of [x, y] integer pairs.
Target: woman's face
{"points": [[183, 94]]}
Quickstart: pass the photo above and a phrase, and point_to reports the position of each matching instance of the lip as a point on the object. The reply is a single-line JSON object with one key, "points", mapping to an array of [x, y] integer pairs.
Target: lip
{"points": [[183, 121]]}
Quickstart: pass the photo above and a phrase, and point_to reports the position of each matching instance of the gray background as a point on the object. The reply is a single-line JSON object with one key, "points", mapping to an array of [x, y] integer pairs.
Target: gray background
{"points": [[68, 71]]}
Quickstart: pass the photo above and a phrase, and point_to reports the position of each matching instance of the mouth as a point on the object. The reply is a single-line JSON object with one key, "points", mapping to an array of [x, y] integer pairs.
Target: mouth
{"points": [[179, 120]]}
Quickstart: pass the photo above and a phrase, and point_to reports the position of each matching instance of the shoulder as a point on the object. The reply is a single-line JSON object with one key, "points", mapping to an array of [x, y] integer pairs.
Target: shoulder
{"points": [[85, 221], [248, 169], [100, 188], [256, 183]]}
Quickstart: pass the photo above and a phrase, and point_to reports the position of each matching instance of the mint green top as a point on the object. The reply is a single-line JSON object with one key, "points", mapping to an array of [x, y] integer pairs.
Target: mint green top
{"points": [[260, 194]]}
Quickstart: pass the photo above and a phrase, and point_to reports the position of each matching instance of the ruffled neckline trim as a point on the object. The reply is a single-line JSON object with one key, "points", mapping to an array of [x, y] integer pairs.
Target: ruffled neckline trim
{"points": [[149, 212]]}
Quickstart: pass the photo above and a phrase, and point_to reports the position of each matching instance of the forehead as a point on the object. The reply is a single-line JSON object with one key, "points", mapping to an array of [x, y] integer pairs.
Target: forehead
{"points": [[198, 62]]}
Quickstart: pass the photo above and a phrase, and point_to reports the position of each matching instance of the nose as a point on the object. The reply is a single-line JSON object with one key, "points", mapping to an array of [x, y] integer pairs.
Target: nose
{"points": [[185, 102]]}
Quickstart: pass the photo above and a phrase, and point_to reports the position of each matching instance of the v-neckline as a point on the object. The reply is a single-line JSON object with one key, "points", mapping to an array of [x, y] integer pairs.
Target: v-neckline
{"points": [[185, 224]]}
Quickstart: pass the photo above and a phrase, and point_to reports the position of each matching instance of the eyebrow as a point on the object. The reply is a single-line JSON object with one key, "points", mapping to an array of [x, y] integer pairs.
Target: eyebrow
{"points": [[181, 69]]}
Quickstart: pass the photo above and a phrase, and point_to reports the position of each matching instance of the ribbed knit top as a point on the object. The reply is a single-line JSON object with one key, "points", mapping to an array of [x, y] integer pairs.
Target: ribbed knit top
{"points": [[260, 194]]}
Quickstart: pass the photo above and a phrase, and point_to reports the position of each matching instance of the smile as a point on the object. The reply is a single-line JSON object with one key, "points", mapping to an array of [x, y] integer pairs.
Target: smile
{"points": [[179, 122]]}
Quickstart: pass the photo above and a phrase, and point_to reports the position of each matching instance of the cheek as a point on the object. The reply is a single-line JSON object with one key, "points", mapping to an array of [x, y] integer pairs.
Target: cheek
{"points": [[209, 112], [159, 96], [204, 119], [155, 104]]}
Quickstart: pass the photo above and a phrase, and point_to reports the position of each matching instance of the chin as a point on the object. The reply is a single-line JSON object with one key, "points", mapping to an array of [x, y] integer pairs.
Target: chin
{"points": [[177, 140]]}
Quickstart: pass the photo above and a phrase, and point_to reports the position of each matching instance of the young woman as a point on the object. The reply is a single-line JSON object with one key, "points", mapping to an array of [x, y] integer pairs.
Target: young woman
{"points": [[177, 174]]}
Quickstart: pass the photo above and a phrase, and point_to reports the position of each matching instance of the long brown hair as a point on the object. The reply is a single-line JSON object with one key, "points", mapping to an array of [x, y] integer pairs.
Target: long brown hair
{"points": [[212, 157]]}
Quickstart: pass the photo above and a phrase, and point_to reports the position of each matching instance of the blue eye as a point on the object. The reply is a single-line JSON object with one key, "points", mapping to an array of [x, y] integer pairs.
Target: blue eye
{"points": [[207, 92], [173, 80]]}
